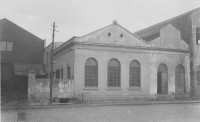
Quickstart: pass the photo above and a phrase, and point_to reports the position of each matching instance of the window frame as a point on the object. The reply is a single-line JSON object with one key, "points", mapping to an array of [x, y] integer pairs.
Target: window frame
{"points": [[131, 75], [198, 35], [91, 73], [198, 75], [57, 74], [113, 72]]}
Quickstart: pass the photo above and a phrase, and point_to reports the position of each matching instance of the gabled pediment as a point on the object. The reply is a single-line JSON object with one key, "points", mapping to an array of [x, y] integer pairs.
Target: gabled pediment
{"points": [[113, 34]]}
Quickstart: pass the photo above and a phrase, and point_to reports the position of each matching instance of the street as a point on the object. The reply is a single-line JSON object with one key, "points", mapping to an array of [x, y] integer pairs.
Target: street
{"points": [[125, 113]]}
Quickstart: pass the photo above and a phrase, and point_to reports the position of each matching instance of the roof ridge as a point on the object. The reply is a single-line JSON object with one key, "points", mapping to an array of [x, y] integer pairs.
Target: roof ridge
{"points": [[168, 20], [7, 20]]}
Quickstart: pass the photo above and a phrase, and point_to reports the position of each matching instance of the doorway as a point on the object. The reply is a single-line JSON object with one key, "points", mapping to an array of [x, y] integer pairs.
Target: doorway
{"points": [[162, 79], [180, 80]]}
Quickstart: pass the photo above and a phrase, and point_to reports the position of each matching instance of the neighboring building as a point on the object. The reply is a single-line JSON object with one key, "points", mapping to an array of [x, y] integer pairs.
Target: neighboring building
{"points": [[195, 49], [189, 26], [21, 52], [47, 57]]}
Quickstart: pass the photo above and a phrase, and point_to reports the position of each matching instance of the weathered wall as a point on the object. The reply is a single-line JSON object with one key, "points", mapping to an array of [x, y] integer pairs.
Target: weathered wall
{"points": [[38, 89], [47, 56], [27, 48], [196, 23], [149, 61], [64, 59]]}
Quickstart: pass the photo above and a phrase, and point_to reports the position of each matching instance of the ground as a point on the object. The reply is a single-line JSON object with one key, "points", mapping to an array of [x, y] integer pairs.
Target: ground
{"points": [[120, 113]]}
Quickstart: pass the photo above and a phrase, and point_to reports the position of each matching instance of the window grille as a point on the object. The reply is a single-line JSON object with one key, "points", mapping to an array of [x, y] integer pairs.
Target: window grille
{"points": [[134, 74], [91, 73], [114, 73]]}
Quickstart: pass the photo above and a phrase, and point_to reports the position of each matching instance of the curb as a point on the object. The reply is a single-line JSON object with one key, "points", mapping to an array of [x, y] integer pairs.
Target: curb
{"points": [[111, 103]]}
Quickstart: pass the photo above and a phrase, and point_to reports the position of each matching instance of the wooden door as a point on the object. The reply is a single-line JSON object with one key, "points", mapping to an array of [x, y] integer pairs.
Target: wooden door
{"points": [[180, 80], [162, 79]]}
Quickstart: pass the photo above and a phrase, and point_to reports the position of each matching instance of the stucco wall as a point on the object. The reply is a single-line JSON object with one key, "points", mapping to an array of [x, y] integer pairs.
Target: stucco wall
{"points": [[149, 61], [196, 23], [64, 59], [47, 58], [38, 89]]}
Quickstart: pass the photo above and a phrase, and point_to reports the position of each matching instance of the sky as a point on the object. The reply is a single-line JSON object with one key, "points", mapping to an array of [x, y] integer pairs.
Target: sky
{"points": [[80, 17]]}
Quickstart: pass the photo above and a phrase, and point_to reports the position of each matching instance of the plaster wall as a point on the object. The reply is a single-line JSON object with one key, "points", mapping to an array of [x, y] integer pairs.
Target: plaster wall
{"points": [[196, 23], [64, 59], [149, 61]]}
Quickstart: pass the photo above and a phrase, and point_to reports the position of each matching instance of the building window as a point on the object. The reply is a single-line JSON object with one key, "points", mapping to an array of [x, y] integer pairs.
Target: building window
{"points": [[198, 36], [6, 46], [68, 72], [61, 73], [47, 58], [109, 34], [58, 74], [91, 73], [198, 75], [54, 75], [113, 73], [121, 35], [134, 74], [47, 75]]}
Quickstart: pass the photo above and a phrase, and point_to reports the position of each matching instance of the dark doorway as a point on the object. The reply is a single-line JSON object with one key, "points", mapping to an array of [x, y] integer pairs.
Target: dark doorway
{"points": [[162, 79], [180, 80]]}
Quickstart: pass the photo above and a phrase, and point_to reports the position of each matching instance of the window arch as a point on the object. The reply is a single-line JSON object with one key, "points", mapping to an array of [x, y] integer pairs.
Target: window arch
{"points": [[91, 73], [134, 74], [198, 74], [113, 73]]}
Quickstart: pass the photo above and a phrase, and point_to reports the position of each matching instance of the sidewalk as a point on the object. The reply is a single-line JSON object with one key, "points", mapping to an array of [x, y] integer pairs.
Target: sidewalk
{"points": [[43, 105]]}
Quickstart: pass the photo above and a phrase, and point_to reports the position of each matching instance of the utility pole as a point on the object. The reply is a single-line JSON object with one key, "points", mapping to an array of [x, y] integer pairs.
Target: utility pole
{"points": [[51, 76]]}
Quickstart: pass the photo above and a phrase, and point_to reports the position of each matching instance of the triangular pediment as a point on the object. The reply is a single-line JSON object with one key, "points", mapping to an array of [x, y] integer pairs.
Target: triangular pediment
{"points": [[113, 34]]}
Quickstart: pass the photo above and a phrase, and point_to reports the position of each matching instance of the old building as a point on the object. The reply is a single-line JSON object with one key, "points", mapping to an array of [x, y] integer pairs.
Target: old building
{"points": [[188, 25], [47, 57], [113, 63], [21, 52]]}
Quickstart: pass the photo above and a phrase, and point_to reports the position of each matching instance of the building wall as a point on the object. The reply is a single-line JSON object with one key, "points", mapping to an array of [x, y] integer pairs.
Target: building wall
{"points": [[196, 23], [63, 60], [47, 56], [27, 48], [149, 61]]}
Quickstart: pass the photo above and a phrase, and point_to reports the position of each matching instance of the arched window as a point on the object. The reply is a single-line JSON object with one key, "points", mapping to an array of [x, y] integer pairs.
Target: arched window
{"points": [[198, 74], [113, 73], [134, 73], [91, 73], [58, 74]]}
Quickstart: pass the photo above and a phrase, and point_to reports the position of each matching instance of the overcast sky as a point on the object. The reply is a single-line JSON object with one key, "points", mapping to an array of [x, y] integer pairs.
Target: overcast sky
{"points": [[79, 17]]}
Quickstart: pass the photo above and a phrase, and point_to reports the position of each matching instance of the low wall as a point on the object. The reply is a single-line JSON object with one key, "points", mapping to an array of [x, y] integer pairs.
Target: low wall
{"points": [[38, 89]]}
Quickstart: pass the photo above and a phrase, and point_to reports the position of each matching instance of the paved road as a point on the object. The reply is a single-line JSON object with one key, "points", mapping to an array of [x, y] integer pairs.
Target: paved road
{"points": [[129, 113]]}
